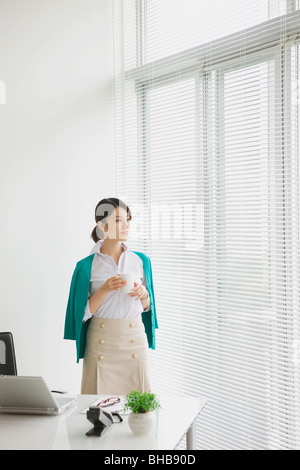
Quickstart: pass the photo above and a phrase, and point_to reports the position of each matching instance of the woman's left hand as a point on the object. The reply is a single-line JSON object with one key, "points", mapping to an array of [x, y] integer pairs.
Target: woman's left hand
{"points": [[137, 291]]}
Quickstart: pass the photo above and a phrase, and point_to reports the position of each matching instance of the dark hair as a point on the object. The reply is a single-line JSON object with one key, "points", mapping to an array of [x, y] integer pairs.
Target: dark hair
{"points": [[103, 210]]}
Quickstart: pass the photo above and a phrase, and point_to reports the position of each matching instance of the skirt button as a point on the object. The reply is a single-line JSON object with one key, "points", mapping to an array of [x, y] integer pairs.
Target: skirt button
{"points": [[102, 325], [100, 357], [134, 355], [101, 341], [131, 325], [132, 340]]}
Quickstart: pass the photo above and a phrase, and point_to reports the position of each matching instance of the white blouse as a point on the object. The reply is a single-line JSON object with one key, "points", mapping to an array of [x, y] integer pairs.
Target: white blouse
{"points": [[116, 304]]}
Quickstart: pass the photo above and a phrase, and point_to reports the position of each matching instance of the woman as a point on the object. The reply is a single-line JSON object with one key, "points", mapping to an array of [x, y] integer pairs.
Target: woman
{"points": [[113, 330]]}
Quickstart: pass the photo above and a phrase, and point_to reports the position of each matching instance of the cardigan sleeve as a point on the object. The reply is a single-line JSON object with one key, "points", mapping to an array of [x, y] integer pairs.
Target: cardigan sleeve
{"points": [[70, 327], [153, 297], [75, 329]]}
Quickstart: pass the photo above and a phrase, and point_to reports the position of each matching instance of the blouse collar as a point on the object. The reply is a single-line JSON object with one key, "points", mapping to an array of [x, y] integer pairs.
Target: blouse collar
{"points": [[97, 247]]}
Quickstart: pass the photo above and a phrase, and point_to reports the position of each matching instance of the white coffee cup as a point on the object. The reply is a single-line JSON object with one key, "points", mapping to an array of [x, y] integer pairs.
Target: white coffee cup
{"points": [[130, 278]]}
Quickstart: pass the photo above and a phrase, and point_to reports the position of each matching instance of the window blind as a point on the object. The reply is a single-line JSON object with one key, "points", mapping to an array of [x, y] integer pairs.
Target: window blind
{"points": [[207, 158]]}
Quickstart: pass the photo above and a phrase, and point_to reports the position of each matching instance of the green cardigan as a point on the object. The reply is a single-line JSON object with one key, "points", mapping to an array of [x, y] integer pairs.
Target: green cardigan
{"points": [[75, 329]]}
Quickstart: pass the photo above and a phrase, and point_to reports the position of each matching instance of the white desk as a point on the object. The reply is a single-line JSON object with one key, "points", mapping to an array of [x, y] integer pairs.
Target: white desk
{"points": [[174, 419]]}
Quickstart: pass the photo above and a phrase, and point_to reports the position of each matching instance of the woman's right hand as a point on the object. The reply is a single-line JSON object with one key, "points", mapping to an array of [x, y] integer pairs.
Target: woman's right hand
{"points": [[114, 283]]}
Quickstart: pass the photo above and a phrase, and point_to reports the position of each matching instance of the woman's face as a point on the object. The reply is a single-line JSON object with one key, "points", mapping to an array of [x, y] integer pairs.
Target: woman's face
{"points": [[118, 225]]}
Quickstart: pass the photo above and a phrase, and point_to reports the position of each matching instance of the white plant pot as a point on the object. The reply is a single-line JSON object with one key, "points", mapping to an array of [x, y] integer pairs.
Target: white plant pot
{"points": [[141, 423]]}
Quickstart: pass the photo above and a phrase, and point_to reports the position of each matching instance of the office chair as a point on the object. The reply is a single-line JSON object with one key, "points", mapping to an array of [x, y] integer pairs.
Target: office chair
{"points": [[8, 365]]}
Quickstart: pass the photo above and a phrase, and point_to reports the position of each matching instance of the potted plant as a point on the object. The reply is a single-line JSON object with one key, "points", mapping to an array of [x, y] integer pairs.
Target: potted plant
{"points": [[142, 405]]}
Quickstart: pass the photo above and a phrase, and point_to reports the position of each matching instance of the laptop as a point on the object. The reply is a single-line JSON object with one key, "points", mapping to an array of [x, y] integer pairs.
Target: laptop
{"points": [[20, 394]]}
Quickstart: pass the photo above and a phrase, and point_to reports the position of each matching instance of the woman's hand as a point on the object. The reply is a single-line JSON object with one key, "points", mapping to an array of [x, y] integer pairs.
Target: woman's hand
{"points": [[137, 291], [114, 283]]}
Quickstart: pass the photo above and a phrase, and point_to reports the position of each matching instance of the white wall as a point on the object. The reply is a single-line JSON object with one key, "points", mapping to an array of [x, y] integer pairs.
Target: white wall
{"points": [[57, 162]]}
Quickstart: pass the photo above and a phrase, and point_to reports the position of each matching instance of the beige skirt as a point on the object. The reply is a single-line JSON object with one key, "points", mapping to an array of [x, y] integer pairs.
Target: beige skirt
{"points": [[116, 358]]}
